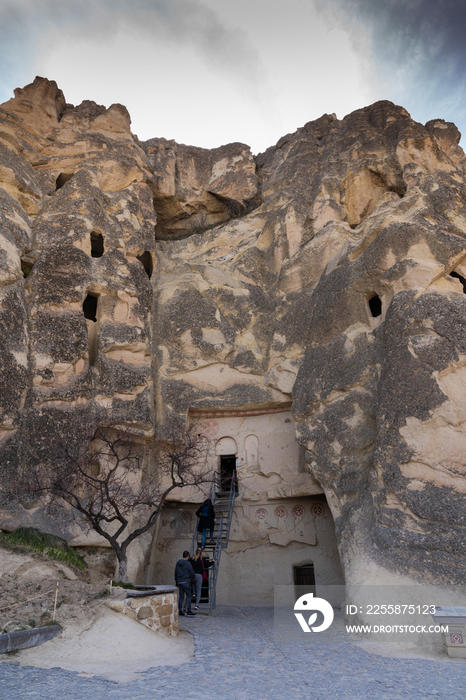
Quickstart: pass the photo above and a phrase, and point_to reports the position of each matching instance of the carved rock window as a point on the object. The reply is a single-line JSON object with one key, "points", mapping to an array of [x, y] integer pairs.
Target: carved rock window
{"points": [[375, 305], [62, 179], [146, 260], [97, 245], [459, 277]]}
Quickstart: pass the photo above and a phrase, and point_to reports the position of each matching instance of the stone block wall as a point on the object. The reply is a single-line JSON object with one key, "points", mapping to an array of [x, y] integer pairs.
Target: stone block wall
{"points": [[157, 612]]}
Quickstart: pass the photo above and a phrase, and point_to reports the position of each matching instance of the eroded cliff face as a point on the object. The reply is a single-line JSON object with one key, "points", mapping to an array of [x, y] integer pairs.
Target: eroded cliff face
{"points": [[327, 274]]}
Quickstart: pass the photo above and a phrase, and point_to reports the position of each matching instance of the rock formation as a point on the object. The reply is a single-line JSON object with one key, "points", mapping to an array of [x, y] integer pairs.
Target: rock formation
{"points": [[327, 274]]}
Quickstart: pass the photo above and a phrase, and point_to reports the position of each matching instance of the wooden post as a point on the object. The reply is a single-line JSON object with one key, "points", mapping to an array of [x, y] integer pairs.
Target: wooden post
{"points": [[55, 606]]}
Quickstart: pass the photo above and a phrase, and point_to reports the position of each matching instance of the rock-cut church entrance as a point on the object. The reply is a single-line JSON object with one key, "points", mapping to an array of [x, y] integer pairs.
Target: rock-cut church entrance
{"points": [[226, 450], [227, 469], [282, 530]]}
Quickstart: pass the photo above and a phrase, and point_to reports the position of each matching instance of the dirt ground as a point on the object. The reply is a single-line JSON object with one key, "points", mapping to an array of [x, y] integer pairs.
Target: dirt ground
{"points": [[87, 643], [28, 585]]}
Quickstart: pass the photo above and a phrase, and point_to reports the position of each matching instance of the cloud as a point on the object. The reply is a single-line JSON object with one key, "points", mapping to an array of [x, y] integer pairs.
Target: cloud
{"points": [[27, 25], [418, 49], [207, 71]]}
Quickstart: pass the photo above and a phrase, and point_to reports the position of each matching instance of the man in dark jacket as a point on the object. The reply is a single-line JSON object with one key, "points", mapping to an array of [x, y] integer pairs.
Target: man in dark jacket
{"points": [[184, 576]]}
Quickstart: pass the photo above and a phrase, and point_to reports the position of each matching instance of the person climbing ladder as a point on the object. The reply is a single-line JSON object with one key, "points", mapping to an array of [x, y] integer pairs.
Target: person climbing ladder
{"points": [[206, 515]]}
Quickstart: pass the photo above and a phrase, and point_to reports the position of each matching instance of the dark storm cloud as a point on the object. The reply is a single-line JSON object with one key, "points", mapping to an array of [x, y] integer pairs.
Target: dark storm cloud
{"points": [[415, 30], [419, 49], [25, 24]]}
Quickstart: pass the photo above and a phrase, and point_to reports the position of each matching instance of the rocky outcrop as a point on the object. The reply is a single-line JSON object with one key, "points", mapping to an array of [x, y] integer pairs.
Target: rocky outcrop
{"points": [[194, 188], [77, 243], [327, 274]]}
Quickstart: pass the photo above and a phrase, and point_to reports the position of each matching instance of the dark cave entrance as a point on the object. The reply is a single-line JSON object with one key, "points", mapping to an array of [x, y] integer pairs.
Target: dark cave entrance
{"points": [[62, 179], [146, 260], [459, 277], [97, 245], [90, 307], [227, 471], [90, 310], [375, 305]]}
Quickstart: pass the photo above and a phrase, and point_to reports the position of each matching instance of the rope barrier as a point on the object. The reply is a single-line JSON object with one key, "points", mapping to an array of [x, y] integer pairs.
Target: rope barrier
{"points": [[23, 602], [61, 584]]}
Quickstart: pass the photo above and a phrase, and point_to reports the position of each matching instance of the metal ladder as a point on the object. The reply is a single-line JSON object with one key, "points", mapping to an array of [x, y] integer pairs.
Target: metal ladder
{"points": [[223, 503]]}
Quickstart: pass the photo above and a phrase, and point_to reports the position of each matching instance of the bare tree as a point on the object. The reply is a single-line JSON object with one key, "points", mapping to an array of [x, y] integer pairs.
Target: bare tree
{"points": [[110, 482]]}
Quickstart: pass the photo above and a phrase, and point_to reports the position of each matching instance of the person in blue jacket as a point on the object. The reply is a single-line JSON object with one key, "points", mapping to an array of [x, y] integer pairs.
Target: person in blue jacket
{"points": [[206, 515]]}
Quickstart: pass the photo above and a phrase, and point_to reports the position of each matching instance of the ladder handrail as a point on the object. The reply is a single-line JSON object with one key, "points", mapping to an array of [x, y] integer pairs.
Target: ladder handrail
{"points": [[213, 579], [192, 549], [194, 539], [219, 544], [214, 484], [231, 505]]}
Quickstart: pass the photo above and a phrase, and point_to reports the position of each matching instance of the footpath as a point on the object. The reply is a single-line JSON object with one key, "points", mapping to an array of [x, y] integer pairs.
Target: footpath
{"points": [[238, 658]]}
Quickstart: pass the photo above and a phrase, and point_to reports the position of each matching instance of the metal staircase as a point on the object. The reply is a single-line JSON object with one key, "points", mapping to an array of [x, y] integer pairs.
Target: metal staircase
{"points": [[223, 503]]}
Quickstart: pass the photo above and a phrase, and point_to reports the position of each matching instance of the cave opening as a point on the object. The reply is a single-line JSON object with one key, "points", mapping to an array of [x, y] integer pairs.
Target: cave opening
{"points": [[375, 305], [62, 179], [26, 268], [459, 277], [90, 307], [97, 245], [146, 260]]}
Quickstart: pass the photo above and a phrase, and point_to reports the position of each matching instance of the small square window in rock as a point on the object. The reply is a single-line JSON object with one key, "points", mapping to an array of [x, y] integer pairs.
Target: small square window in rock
{"points": [[97, 245], [375, 305]]}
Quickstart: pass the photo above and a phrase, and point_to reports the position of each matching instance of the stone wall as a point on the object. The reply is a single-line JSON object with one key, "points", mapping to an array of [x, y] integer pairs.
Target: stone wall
{"points": [[157, 612]]}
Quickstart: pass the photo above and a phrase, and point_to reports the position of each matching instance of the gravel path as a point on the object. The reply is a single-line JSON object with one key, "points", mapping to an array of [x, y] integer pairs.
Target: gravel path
{"points": [[238, 658]]}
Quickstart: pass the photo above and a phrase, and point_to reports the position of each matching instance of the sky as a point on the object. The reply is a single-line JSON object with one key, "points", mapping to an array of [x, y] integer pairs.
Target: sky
{"points": [[210, 72]]}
